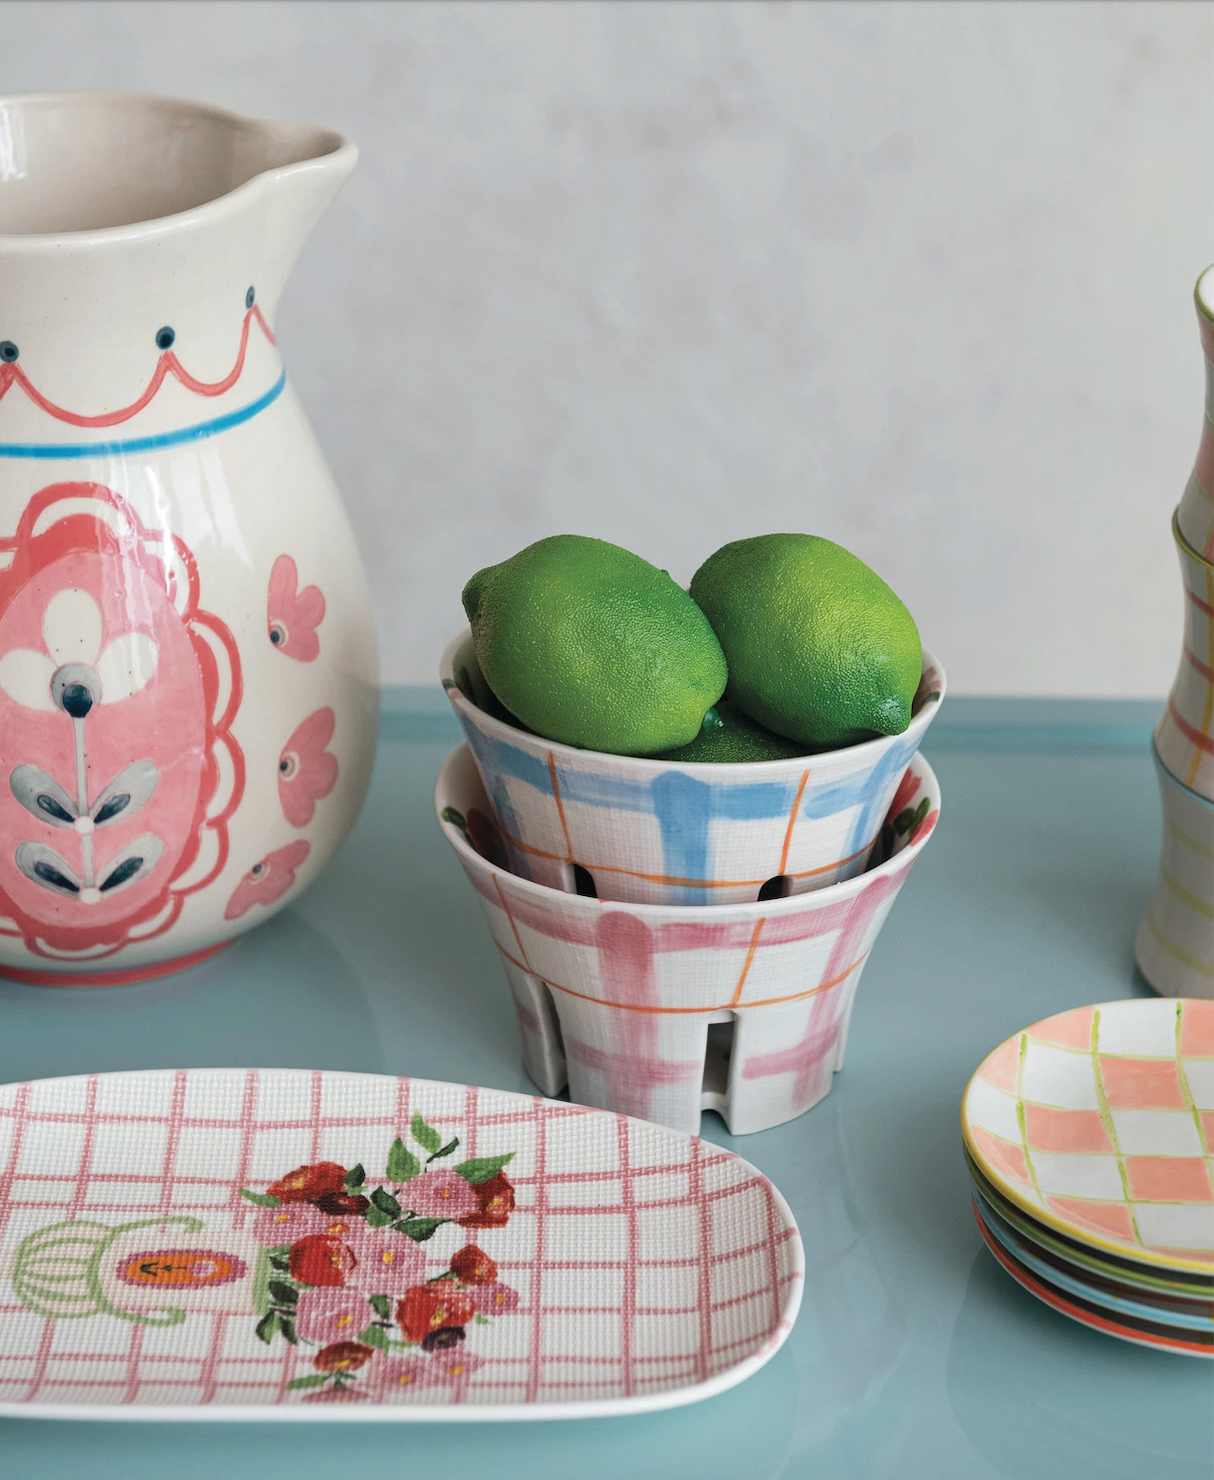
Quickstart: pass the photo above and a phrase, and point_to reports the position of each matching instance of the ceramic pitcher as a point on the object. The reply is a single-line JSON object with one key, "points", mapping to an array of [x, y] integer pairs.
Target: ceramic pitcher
{"points": [[188, 675]]}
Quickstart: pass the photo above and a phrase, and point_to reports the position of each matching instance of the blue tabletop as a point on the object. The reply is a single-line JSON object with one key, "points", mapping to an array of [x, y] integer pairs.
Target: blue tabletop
{"points": [[914, 1354]]}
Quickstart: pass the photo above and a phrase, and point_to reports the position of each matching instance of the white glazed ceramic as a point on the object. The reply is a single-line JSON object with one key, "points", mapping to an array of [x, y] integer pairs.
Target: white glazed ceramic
{"points": [[1184, 736], [677, 833], [662, 1011], [1098, 1122], [296, 1245], [1175, 944], [1195, 517], [188, 678]]}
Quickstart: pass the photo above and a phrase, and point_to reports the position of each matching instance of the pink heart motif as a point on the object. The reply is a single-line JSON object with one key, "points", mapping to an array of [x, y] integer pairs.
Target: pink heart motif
{"points": [[268, 880], [306, 770], [293, 616]]}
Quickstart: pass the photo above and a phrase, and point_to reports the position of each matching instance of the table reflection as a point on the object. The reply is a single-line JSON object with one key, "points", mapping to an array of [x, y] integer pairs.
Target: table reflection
{"points": [[269, 999], [850, 1339], [1139, 1414]]}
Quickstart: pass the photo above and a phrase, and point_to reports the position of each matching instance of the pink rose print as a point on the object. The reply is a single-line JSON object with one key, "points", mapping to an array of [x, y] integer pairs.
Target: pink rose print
{"points": [[455, 1365], [335, 1395], [494, 1300], [388, 1263], [337, 1225], [402, 1374], [292, 615], [284, 1225], [328, 1315], [306, 770], [267, 881], [440, 1195]]}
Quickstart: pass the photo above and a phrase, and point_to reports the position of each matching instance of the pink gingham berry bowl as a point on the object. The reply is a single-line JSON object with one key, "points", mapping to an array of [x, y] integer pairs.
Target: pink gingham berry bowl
{"points": [[663, 1010]]}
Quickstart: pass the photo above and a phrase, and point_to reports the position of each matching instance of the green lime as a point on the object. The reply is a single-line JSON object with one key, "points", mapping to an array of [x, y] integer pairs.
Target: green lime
{"points": [[470, 681], [733, 737], [593, 646], [819, 648]]}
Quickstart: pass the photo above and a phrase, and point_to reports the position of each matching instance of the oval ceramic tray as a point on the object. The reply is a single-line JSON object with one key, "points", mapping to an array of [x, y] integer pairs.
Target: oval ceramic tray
{"points": [[1098, 1122], [292, 1244]]}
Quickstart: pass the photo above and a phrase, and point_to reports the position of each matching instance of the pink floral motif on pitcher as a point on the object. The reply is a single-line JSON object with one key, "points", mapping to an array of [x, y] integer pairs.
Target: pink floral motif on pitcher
{"points": [[306, 770], [268, 880], [118, 771], [293, 615]]}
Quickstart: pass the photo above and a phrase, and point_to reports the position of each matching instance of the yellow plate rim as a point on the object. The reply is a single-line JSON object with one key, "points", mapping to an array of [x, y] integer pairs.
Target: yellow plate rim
{"points": [[1012, 1192]]}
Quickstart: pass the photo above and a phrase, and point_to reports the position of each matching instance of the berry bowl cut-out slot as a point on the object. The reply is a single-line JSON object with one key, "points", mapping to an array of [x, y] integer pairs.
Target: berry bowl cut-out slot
{"points": [[663, 1011], [659, 831], [309, 1246]]}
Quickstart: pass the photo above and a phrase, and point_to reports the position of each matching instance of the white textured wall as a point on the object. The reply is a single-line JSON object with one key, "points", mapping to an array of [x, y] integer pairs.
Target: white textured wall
{"points": [[915, 277]]}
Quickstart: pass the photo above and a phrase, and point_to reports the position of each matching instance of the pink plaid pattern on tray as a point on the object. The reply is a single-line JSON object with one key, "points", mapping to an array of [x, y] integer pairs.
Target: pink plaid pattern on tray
{"points": [[583, 1258], [1100, 1121]]}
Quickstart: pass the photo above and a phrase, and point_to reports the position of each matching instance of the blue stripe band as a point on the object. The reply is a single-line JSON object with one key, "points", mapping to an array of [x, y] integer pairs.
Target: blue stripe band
{"points": [[195, 433]]}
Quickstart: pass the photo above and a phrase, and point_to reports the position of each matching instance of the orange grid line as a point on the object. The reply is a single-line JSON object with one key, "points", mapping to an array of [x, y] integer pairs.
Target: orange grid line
{"points": [[646, 1007]]}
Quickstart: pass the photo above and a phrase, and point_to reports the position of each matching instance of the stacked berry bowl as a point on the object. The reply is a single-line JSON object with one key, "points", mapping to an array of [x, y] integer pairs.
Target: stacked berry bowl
{"points": [[681, 936], [1088, 1140]]}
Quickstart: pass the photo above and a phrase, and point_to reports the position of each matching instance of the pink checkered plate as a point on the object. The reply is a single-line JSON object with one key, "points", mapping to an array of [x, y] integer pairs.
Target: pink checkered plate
{"points": [[290, 1244], [1099, 1123]]}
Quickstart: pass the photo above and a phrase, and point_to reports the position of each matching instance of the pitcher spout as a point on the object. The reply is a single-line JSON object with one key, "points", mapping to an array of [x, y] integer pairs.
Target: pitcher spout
{"points": [[302, 169], [103, 172]]}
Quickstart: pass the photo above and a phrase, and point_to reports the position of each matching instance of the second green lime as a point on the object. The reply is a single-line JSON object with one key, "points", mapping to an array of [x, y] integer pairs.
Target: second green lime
{"points": [[819, 648], [729, 737]]}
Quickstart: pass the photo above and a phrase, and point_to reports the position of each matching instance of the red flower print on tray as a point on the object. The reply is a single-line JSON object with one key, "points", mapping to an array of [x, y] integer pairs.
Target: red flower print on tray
{"points": [[320, 1259], [495, 1203], [310, 1183], [306, 770], [347, 1270], [472, 1266], [342, 1356], [293, 616], [428, 1308], [267, 881]]}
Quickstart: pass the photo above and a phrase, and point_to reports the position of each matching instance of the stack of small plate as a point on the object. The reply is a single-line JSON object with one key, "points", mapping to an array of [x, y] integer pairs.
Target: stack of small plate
{"points": [[1088, 1138]]}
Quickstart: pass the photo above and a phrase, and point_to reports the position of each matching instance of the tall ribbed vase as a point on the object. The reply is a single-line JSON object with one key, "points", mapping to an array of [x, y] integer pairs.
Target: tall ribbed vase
{"points": [[1175, 945]]}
